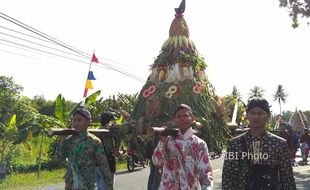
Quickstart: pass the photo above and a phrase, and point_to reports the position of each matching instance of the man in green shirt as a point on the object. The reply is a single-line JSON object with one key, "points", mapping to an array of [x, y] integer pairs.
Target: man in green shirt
{"points": [[85, 154]]}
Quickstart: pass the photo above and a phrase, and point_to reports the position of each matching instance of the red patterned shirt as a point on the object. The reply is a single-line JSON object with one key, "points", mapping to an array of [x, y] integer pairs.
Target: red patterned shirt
{"points": [[184, 160]]}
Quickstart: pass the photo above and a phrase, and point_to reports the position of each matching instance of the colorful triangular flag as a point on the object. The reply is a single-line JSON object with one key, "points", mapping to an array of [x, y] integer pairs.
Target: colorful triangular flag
{"points": [[89, 85], [94, 59], [91, 76]]}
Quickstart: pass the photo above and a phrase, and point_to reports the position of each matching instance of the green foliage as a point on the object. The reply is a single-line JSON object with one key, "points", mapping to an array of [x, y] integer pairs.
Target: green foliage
{"points": [[26, 181], [91, 99], [61, 110], [297, 10], [10, 93], [286, 115], [33, 167], [64, 109], [280, 96], [229, 102], [256, 91], [7, 85], [24, 157], [46, 107], [38, 124], [9, 131], [29, 180], [166, 57], [116, 103]]}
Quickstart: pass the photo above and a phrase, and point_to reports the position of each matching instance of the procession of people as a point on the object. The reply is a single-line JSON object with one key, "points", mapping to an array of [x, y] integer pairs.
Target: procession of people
{"points": [[182, 160]]}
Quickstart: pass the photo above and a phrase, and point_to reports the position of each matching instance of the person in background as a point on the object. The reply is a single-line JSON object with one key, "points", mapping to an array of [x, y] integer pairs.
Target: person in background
{"points": [[111, 142], [257, 159], [184, 159], [305, 145], [155, 172], [85, 154], [294, 144]]}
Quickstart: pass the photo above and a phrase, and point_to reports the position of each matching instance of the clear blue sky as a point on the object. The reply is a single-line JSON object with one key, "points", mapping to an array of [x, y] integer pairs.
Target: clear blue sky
{"points": [[246, 43]]}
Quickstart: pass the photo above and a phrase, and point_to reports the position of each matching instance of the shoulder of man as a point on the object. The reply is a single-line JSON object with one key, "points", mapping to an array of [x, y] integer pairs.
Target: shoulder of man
{"points": [[198, 139], [72, 139], [276, 138], [96, 140]]}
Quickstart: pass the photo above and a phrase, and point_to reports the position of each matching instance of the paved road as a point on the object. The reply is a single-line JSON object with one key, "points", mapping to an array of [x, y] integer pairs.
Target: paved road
{"points": [[137, 180]]}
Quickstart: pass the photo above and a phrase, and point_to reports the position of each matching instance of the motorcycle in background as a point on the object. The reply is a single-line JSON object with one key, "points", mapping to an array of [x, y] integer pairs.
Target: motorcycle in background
{"points": [[133, 160]]}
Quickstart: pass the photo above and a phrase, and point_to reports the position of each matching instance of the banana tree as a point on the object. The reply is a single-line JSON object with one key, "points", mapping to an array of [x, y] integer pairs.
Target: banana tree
{"points": [[63, 112], [7, 136]]}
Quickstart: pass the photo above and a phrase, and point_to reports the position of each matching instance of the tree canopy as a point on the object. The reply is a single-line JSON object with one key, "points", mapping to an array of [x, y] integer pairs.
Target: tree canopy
{"points": [[256, 92], [297, 9], [280, 96]]}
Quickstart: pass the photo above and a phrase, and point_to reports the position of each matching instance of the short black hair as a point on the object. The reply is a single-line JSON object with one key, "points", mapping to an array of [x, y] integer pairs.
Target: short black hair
{"points": [[183, 106], [258, 102]]}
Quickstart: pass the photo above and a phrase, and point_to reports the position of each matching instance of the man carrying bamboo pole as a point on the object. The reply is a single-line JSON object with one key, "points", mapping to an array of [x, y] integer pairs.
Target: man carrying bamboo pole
{"points": [[85, 154]]}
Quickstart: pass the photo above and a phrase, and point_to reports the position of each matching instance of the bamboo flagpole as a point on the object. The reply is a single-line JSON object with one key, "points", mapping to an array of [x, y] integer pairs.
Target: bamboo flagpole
{"points": [[233, 122], [90, 75]]}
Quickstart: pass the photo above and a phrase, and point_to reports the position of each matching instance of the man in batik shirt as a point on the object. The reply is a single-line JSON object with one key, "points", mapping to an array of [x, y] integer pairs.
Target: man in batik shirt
{"points": [[85, 154], [184, 159], [257, 148]]}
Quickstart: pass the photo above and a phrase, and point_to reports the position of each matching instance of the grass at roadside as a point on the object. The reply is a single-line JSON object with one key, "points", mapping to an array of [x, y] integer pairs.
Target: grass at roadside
{"points": [[121, 165], [26, 181]]}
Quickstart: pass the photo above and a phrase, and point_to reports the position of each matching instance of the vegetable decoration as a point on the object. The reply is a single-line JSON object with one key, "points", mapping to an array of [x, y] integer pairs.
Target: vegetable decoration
{"points": [[149, 91], [152, 89], [173, 89], [146, 93], [197, 88]]}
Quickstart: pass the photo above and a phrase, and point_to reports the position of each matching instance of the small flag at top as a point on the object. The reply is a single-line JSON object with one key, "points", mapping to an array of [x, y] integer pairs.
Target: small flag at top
{"points": [[90, 76], [94, 59]]}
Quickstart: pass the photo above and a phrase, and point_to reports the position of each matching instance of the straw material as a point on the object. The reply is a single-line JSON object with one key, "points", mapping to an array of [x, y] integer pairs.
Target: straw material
{"points": [[179, 27]]}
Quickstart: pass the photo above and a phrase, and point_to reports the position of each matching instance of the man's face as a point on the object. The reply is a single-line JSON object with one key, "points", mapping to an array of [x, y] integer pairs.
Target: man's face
{"points": [[258, 117], [183, 119], [80, 123]]}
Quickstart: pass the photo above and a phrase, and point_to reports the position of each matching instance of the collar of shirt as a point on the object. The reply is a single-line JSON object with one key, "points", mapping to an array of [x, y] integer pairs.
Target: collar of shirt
{"points": [[188, 133], [265, 134], [83, 133]]}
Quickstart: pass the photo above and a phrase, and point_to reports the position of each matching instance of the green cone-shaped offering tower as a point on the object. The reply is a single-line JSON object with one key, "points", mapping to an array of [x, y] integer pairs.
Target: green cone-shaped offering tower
{"points": [[178, 76]]}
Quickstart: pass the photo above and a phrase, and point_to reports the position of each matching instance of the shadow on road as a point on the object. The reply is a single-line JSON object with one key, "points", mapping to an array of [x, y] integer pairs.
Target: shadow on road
{"points": [[127, 172]]}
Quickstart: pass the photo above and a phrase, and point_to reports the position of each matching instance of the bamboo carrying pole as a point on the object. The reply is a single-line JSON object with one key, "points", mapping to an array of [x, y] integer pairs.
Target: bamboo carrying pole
{"points": [[71, 131], [166, 131]]}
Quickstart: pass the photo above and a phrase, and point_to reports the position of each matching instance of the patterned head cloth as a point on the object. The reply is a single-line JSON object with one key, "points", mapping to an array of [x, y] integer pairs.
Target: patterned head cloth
{"points": [[83, 112]]}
